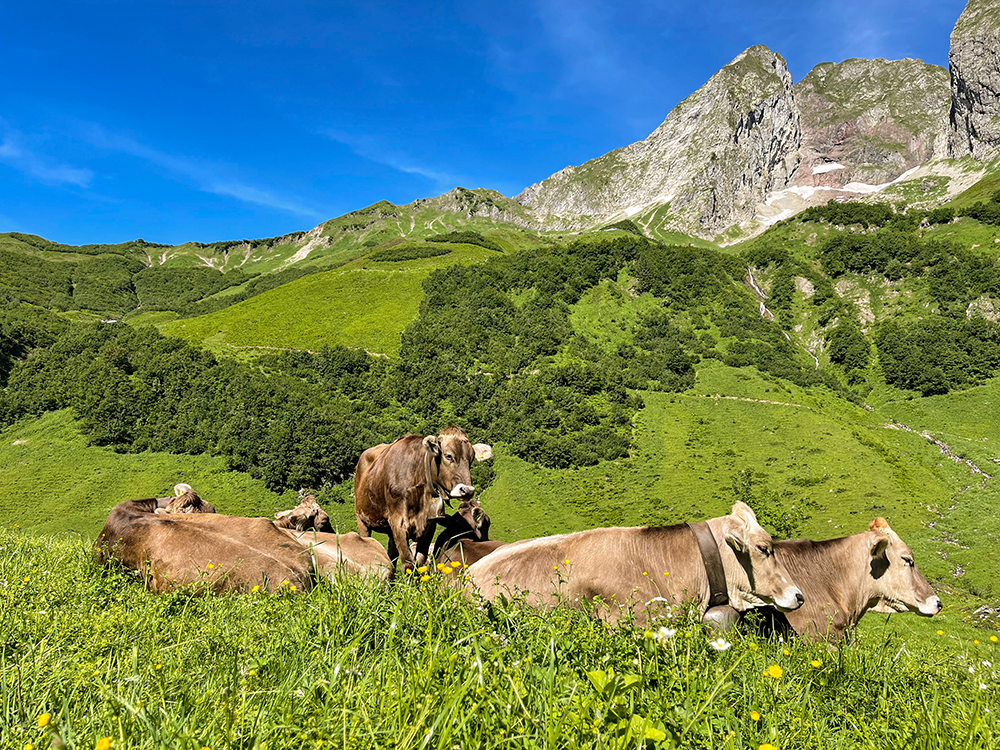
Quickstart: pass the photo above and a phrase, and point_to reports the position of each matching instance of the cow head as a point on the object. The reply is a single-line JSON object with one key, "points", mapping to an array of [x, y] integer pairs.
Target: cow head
{"points": [[306, 515], [473, 514], [895, 584], [448, 458], [758, 579], [185, 500]]}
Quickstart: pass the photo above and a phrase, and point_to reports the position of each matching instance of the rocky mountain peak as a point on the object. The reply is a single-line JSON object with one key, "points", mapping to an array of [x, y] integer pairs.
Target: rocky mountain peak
{"points": [[714, 157], [975, 82], [869, 121]]}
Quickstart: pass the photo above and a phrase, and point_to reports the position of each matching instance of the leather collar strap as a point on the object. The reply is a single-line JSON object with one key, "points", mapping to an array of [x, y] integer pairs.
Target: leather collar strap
{"points": [[712, 560]]}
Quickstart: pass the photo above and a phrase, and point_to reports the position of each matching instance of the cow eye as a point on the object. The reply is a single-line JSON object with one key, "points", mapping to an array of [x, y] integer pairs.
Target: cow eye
{"points": [[764, 550], [448, 457], [908, 561]]}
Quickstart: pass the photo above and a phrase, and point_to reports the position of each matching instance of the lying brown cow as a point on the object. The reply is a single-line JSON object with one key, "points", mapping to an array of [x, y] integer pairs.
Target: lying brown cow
{"points": [[185, 500], [227, 553], [306, 515], [351, 552], [844, 578], [465, 535], [401, 489], [614, 569]]}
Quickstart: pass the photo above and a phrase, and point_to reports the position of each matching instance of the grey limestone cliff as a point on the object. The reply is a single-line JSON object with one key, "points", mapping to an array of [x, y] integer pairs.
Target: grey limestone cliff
{"points": [[975, 82], [869, 121], [713, 159]]}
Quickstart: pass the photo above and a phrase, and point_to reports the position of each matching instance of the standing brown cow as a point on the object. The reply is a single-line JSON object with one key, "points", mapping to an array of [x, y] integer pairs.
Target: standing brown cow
{"points": [[400, 489]]}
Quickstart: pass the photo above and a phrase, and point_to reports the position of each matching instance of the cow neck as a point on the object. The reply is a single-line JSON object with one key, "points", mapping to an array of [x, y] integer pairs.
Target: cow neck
{"points": [[712, 560], [433, 488]]}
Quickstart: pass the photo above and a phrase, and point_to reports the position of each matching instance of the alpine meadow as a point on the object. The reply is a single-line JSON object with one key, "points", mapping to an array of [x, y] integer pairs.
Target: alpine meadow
{"points": [[787, 295]]}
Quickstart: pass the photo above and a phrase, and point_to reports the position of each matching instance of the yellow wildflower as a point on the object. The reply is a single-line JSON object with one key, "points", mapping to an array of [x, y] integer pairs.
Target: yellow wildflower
{"points": [[27, 578], [940, 632], [425, 577], [210, 566], [815, 663], [456, 564], [285, 582], [975, 641], [292, 587], [440, 566], [555, 567], [774, 671], [645, 573], [993, 638], [754, 716], [566, 561], [158, 667], [29, 746], [103, 744], [422, 569], [409, 571], [44, 719], [666, 572], [787, 652], [255, 589], [767, 746]]}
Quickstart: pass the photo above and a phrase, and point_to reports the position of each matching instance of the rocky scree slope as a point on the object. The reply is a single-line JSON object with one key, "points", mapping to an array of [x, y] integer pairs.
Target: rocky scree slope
{"points": [[715, 157]]}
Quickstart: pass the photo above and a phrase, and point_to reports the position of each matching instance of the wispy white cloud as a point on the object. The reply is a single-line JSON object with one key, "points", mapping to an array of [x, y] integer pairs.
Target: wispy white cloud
{"points": [[206, 177], [38, 166], [369, 148]]}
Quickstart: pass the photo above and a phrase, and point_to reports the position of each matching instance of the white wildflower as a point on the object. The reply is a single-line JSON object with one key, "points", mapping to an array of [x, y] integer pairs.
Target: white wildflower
{"points": [[720, 644]]}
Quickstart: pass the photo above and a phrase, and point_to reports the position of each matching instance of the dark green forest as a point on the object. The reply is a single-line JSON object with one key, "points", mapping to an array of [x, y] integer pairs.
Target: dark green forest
{"points": [[491, 350]]}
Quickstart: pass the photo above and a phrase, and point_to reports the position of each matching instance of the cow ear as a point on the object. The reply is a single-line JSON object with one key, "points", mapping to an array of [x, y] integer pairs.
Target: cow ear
{"points": [[283, 513], [483, 451], [879, 544], [734, 533], [432, 444]]}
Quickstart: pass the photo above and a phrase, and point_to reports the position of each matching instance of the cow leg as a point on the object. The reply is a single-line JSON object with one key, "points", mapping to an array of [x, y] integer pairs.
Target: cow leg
{"points": [[397, 539], [364, 530], [424, 544]]}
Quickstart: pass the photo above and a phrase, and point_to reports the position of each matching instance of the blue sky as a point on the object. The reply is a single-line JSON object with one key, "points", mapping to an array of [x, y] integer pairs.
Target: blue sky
{"points": [[177, 121]]}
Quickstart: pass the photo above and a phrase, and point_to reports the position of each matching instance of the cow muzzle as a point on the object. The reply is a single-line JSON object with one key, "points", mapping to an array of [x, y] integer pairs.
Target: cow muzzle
{"points": [[790, 599], [463, 490], [930, 606]]}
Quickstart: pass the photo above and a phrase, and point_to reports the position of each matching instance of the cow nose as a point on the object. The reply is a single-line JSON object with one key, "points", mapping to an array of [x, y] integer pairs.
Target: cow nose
{"points": [[799, 599], [463, 490], [940, 606]]}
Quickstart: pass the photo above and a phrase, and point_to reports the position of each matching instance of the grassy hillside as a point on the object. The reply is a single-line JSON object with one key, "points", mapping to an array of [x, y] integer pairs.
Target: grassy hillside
{"points": [[365, 304], [53, 482]]}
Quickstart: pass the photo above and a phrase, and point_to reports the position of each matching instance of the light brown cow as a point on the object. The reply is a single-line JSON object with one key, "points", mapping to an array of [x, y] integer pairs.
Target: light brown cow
{"points": [[219, 552], [350, 552], [308, 514], [614, 569], [185, 500], [400, 489], [846, 577]]}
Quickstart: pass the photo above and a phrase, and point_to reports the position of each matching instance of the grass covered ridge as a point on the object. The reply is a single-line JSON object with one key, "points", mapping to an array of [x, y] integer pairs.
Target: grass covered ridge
{"points": [[409, 664]]}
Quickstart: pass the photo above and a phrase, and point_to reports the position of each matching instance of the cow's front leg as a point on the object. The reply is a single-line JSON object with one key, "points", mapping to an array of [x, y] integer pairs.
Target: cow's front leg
{"points": [[424, 544], [397, 537]]}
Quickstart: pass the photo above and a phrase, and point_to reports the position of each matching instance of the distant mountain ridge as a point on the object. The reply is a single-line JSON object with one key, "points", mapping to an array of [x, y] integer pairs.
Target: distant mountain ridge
{"points": [[853, 127]]}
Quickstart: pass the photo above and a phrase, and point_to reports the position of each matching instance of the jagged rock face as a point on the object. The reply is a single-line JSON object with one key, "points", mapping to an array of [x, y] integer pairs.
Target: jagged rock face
{"points": [[715, 157], [869, 121], [975, 82]]}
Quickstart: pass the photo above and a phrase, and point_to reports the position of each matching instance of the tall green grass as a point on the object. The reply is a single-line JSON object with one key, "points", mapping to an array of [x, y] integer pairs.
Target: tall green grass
{"points": [[416, 665]]}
